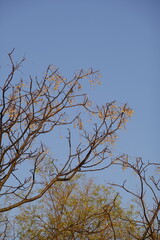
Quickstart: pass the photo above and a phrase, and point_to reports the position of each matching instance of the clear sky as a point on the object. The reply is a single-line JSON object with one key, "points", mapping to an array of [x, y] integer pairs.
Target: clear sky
{"points": [[121, 38]]}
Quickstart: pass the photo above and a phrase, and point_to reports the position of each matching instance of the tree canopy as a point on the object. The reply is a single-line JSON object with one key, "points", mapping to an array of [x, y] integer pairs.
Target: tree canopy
{"points": [[78, 209], [31, 112]]}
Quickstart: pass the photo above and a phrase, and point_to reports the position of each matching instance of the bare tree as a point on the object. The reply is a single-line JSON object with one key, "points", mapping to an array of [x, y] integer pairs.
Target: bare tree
{"points": [[37, 107], [145, 192]]}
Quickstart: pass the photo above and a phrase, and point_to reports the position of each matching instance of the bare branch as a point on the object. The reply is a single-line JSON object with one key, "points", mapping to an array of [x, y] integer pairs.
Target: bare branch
{"points": [[38, 107]]}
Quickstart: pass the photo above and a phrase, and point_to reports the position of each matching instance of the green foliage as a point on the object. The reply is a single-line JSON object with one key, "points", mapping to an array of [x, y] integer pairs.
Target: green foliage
{"points": [[78, 209]]}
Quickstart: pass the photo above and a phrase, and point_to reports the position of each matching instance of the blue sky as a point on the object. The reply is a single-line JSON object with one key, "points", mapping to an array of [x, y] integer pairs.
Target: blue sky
{"points": [[121, 38]]}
